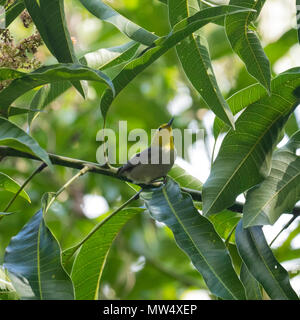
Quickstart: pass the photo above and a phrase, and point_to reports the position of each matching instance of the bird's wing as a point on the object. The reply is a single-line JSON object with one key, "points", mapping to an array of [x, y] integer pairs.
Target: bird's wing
{"points": [[134, 161]]}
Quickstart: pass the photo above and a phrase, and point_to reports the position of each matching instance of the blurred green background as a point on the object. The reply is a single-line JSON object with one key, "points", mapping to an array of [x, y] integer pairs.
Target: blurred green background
{"points": [[144, 262]]}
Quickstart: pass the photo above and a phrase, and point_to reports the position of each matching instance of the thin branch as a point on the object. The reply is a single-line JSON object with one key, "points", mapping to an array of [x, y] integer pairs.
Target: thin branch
{"points": [[112, 172], [35, 172], [72, 250]]}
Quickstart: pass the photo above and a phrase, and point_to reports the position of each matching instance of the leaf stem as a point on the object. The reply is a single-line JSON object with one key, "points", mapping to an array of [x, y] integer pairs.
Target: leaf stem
{"points": [[84, 170], [284, 227], [39, 169]]}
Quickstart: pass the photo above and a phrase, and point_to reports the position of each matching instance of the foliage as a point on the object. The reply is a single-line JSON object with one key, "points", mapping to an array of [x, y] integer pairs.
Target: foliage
{"points": [[61, 81]]}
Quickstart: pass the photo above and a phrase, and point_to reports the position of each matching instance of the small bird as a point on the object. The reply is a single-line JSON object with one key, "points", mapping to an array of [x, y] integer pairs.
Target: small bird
{"points": [[154, 162]]}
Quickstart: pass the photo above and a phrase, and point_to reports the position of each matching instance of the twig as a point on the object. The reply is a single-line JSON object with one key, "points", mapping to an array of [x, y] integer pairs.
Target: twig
{"points": [[73, 249], [39, 169]]}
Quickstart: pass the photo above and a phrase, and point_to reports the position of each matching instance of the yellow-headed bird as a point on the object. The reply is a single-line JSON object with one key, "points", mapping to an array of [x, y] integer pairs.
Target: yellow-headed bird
{"points": [[154, 162]]}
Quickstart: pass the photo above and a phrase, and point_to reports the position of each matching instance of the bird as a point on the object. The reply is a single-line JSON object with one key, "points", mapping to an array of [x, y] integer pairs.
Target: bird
{"points": [[154, 162]]}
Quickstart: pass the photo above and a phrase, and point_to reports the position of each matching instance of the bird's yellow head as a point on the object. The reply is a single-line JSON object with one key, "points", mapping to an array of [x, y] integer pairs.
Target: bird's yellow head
{"points": [[163, 137]]}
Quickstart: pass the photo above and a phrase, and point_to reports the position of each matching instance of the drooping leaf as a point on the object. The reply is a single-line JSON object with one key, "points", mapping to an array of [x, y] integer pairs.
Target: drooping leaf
{"points": [[245, 42], [262, 264], [9, 184], [90, 260], [49, 18], [48, 74], [180, 31], [225, 223], [13, 12], [13, 136], [252, 287], [280, 191], [245, 155], [129, 28], [196, 236], [184, 179], [34, 263], [195, 60]]}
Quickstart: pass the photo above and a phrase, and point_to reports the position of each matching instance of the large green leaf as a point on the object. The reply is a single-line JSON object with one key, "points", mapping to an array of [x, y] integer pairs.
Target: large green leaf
{"points": [[194, 57], [9, 184], [252, 287], [129, 28], [34, 263], [251, 94], [90, 260], [48, 74], [245, 42], [103, 59], [180, 31], [262, 264], [49, 18], [280, 191], [245, 155], [13, 136], [196, 236], [13, 12]]}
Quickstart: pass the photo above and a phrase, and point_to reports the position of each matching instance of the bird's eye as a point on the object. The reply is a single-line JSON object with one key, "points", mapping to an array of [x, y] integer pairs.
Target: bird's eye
{"points": [[159, 129]]}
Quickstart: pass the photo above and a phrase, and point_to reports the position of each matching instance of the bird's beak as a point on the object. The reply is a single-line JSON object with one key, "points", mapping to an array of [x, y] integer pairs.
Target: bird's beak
{"points": [[170, 122]]}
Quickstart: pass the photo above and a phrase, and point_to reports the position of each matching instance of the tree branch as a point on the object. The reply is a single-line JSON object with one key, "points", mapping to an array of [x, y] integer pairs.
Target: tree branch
{"points": [[104, 170]]}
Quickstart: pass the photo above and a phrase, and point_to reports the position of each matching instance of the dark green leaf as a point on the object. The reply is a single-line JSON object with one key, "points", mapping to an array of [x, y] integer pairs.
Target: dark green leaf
{"points": [[13, 12], [33, 262], [180, 31], [90, 260], [200, 71], [49, 18], [245, 155], [280, 191], [13, 136], [196, 236], [49, 74], [261, 263], [252, 287], [245, 42], [130, 29]]}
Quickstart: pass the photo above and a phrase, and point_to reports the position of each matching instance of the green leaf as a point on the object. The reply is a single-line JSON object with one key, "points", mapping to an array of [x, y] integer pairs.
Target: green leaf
{"points": [[261, 263], [200, 71], [225, 222], [33, 261], [130, 29], [90, 260], [13, 136], [48, 74], [253, 93], [13, 12], [184, 179], [246, 44], [8, 184], [180, 31], [49, 18], [245, 155], [252, 287], [196, 236], [280, 191]]}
